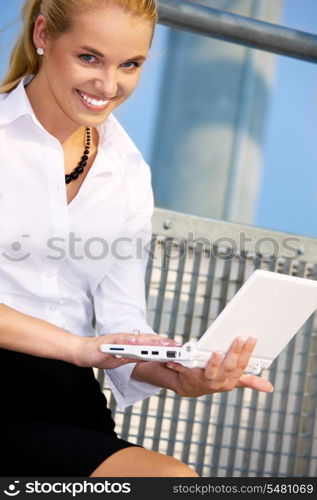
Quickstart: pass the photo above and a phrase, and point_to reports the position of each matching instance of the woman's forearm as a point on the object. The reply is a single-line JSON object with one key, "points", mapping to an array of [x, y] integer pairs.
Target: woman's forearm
{"points": [[23, 333]]}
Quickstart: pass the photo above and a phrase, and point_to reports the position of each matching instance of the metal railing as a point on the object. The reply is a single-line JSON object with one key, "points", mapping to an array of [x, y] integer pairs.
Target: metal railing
{"points": [[238, 29]]}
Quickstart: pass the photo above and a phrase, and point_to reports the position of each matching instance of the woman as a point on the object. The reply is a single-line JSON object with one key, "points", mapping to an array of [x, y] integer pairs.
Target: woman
{"points": [[75, 202]]}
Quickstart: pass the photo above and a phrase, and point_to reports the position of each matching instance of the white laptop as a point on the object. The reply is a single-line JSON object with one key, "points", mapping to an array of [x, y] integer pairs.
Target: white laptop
{"points": [[269, 305]]}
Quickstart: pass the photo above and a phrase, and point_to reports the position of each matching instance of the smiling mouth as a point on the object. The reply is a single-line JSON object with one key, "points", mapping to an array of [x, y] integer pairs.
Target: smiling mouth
{"points": [[93, 103]]}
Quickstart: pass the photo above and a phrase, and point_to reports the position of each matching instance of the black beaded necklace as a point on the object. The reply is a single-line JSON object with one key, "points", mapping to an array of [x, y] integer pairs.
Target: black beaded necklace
{"points": [[83, 162]]}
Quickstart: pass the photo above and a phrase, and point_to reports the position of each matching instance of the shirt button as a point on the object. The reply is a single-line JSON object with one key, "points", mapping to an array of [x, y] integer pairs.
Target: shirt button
{"points": [[53, 308]]}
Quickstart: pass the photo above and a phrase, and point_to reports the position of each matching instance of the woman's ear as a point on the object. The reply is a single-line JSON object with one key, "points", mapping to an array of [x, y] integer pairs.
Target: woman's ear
{"points": [[40, 37]]}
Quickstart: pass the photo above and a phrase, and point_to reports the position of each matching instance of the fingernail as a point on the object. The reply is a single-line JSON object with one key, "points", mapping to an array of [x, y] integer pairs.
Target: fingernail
{"points": [[170, 343], [218, 354]]}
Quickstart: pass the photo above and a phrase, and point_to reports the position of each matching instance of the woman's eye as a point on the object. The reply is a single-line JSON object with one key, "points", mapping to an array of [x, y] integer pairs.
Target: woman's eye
{"points": [[87, 58], [130, 65]]}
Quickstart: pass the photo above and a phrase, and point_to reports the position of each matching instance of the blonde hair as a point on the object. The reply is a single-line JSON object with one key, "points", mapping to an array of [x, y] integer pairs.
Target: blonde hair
{"points": [[60, 14]]}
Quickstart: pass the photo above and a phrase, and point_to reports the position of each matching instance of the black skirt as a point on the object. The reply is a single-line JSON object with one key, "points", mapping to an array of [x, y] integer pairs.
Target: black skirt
{"points": [[54, 419]]}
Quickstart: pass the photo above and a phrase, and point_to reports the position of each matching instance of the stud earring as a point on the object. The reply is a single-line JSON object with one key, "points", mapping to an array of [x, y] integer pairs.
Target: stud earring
{"points": [[40, 51]]}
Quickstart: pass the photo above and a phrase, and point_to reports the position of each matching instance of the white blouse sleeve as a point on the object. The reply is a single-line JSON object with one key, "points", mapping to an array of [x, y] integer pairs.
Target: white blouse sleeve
{"points": [[119, 299]]}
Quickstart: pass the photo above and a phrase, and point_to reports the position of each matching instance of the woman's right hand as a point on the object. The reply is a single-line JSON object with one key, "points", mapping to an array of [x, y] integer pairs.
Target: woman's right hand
{"points": [[88, 352]]}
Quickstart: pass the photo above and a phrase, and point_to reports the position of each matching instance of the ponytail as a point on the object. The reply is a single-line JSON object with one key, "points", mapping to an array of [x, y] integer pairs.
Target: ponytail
{"points": [[24, 59]]}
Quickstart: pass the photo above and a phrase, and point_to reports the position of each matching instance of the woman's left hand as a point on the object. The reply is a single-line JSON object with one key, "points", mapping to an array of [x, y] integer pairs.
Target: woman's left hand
{"points": [[221, 373]]}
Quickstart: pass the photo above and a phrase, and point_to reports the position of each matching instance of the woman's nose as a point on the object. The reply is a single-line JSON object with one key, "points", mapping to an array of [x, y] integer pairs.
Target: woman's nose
{"points": [[108, 85]]}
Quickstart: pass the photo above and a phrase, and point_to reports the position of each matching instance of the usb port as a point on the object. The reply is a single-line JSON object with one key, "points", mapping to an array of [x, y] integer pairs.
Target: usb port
{"points": [[171, 354], [144, 352], [155, 352]]}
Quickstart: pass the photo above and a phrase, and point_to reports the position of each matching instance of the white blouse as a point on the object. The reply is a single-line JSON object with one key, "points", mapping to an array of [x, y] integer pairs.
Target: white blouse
{"points": [[79, 266]]}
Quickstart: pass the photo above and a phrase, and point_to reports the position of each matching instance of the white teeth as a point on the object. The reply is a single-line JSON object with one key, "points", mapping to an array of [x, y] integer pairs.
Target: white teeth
{"points": [[94, 102]]}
